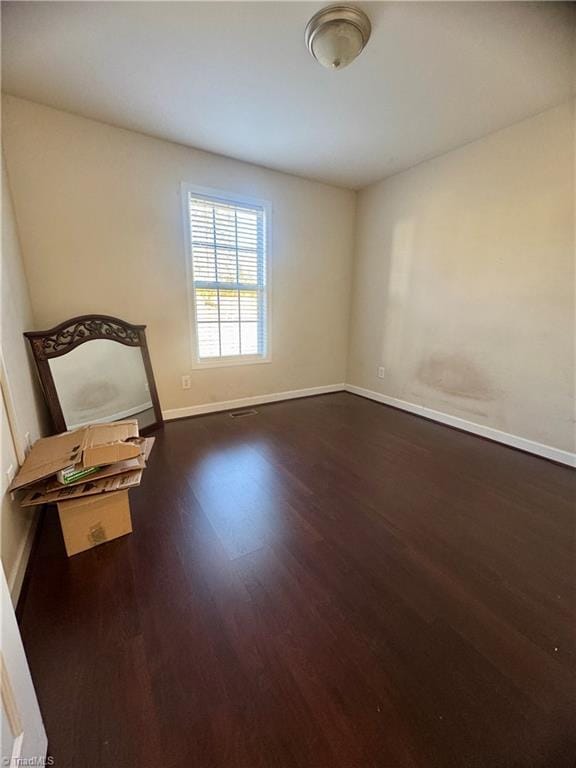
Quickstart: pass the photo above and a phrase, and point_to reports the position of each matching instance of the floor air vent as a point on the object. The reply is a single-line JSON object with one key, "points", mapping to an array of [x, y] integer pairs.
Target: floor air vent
{"points": [[242, 414]]}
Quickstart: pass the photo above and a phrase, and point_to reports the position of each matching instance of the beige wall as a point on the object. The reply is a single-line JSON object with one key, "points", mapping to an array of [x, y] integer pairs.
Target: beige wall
{"points": [[464, 265], [101, 227], [20, 398], [464, 282]]}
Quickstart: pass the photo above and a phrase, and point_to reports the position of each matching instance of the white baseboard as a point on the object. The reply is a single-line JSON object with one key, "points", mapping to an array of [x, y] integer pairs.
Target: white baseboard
{"points": [[114, 416], [16, 576], [522, 443], [530, 446], [246, 402]]}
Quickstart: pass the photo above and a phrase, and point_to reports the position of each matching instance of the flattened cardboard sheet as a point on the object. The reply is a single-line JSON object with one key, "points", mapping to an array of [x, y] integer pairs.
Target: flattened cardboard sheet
{"points": [[139, 462], [88, 488], [109, 471], [92, 446], [148, 445]]}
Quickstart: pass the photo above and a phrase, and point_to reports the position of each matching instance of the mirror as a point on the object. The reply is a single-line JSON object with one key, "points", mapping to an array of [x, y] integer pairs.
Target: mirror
{"points": [[96, 369], [101, 381]]}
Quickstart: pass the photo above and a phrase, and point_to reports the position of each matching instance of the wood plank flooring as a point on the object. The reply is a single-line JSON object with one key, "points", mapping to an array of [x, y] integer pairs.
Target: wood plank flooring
{"points": [[330, 583]]}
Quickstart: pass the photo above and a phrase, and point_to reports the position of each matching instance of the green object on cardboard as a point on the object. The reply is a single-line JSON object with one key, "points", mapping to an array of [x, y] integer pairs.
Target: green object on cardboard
{"points": [[73, 474]]}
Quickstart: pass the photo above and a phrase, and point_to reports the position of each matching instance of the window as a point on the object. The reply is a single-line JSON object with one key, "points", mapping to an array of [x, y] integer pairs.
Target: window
{"points": [[229, 277]]}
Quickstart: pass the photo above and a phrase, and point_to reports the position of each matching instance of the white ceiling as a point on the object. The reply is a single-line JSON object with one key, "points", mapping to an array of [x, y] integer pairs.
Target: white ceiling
{"points": [[235, 77]]}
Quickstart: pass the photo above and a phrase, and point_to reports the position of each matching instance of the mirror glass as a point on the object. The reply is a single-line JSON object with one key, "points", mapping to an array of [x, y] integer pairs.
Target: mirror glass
{"points": [[102, 380]]}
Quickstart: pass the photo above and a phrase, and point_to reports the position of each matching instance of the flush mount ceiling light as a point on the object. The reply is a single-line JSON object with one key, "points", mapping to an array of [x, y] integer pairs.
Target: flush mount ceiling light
{"points": [[337, 34]]}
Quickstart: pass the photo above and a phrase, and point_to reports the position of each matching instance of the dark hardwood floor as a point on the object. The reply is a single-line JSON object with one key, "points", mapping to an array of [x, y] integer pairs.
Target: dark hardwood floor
{"points": [[330, 583]]}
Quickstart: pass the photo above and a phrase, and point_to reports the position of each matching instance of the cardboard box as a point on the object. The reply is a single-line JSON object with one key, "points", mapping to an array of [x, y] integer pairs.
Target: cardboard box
{"points": [[89, 521], [92, 509], [96, 445]]}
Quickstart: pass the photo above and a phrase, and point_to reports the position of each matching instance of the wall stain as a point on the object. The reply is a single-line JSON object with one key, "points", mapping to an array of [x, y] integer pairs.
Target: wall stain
{"points": [[455, 375], [94, 395]]}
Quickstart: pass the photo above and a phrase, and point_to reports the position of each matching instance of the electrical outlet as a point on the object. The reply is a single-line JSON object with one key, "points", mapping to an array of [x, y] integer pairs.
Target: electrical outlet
{"points": [[186, 382], [381, 372], [27, 443]]}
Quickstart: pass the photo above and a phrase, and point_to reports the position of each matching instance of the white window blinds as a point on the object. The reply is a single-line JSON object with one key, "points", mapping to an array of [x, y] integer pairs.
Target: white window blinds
{"points": [[229, 278]]}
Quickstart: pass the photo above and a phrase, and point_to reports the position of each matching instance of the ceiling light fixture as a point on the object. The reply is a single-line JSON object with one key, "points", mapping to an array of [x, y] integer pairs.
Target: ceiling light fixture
{"points": [[337, 34]]}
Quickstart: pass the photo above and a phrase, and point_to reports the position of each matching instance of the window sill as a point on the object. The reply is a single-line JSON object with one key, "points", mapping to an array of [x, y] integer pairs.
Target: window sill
{"points": [[228, 362]]}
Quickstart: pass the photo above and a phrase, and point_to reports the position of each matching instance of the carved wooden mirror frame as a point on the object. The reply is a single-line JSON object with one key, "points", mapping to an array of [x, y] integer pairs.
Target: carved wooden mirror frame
{"points": [[63, 338]]}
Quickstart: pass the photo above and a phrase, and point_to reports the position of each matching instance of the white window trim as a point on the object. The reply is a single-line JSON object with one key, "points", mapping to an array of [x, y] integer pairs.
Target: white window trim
{"points": [[222, 195]]}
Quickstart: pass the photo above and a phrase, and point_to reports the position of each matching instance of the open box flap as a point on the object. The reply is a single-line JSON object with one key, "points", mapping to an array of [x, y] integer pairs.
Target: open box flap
{"points": [[48, 456], [109, 443]]}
